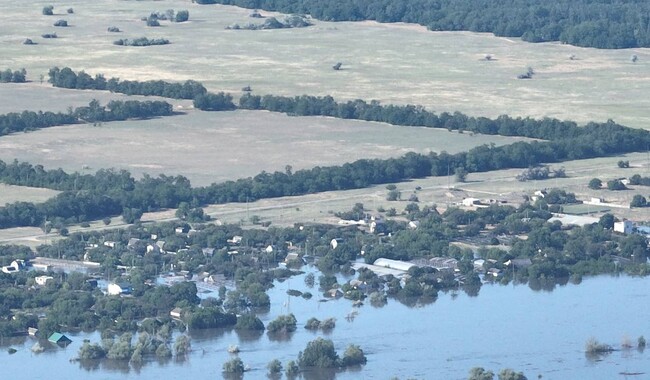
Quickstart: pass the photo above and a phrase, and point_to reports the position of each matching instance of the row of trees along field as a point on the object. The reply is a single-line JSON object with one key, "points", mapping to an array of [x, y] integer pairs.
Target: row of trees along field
{"points": [[67, 78], [589, 23], [115, 110]]}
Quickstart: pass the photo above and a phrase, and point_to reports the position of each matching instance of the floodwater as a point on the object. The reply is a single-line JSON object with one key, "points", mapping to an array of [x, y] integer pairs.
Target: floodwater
{"points": [[536, 332]]}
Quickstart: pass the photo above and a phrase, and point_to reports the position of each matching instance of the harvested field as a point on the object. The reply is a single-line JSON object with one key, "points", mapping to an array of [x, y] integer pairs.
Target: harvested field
{"points": [[211, 147]]}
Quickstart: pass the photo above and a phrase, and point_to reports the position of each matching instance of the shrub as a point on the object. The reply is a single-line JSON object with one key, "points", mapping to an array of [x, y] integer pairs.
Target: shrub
{"points": [[595, 184], [353, 356], [114, 29], [182, 16], [61, 23], [312, 324], [274, 367], [234, 365], [48, 10], [594, 347], [319, 353]]}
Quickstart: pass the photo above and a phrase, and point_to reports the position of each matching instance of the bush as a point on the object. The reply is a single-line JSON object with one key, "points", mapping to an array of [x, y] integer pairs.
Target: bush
{"points": [[623, 164], [312, 324], [319, 353], [274, 367], [594, 347], [48, 10], [639, 201], [595, 184], [353, 356], [214, 102], [61, 23], [234, 365], [49, 35], [292, 368], [282, 324], [616, 185], [182, 16], [114, 29], [249, 322], [479, 373], [70, 11]]}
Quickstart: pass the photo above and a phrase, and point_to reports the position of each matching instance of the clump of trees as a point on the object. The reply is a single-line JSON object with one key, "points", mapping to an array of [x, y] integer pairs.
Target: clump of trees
{"points": [[48, 10], [595, 184], [283, 324], [49, 35], [61, 23], [234, 365], [142, 41], [593, 346], [17, 76], [320, 353], [616, 185], [292, 21], [639, 201], [540, 173], [214, 102], [480, 373]]}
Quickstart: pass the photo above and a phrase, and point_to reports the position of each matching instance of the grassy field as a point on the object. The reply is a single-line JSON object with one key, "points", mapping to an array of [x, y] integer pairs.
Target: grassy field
{"points": [[11, 194], [394, 63], [211, 147]]}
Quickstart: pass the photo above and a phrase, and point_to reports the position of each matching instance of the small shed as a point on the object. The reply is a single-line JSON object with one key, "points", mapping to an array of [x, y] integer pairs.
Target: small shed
{"points": [[59, 339], [176, 313]]}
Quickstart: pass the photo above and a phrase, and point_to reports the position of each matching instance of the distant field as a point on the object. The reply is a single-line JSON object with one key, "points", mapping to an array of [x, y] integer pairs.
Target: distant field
{"points": [[11, 194], [397, 63], [211, 147]]}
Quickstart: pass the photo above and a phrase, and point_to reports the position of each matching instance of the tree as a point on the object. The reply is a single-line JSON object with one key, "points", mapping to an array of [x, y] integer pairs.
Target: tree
{"points": [[274, 367], [319, 353], [623, 164], [48, 10], [292, 368], [61, 23], [638, 201], [595, 184], [479, 373], [616, 185], [509, 374], [234, 365], [460, 174], [182, 345], [353, 356], [393, 195], [182, 16], [607, 221]]}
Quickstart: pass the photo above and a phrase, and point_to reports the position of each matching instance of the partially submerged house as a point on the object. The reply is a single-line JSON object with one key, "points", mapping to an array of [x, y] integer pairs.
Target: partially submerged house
{"points": [[59, 339]]}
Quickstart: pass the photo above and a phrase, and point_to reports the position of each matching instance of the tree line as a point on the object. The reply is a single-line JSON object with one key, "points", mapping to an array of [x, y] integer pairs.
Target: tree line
{"points": [[115, 110], [588, 23], [203, 100], [67, 78]]}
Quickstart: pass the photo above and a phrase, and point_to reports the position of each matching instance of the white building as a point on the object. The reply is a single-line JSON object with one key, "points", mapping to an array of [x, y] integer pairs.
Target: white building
{"points": [[43, 280], [625, 227], [115, 289]]}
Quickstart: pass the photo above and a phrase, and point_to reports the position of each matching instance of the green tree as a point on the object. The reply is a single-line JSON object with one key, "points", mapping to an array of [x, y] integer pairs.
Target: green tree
{"points": [[182, 345], [234, 365], [607, 221], [616, 184], [319, 353], [353, 355], [509, 374], [274, 367], [479, 373], [460, 174], [595, 184], [638, 201]]}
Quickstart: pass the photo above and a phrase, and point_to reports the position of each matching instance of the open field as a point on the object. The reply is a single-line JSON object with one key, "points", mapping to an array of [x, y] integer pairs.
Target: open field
{"points": [[443, 71], [211, 147], [11, 194]]}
